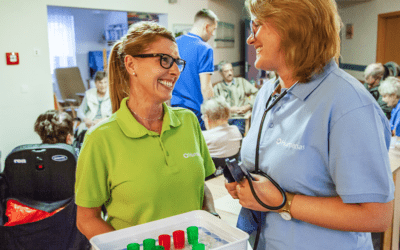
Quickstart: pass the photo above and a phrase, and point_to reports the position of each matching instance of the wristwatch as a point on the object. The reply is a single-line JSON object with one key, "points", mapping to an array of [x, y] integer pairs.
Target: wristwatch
{"points": [[285, 211]]}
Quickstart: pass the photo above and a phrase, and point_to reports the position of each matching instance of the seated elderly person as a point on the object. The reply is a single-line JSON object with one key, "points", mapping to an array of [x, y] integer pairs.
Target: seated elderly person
{"points": [[373, 74], [96, 104], [238, 92], [389, 89], [223, 140], [54, 126]]}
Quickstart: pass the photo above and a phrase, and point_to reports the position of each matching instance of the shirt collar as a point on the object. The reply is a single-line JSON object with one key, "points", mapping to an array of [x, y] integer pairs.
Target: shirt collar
{"points": [[194, 35], [132, 128], [303, 90], [232, 83]]}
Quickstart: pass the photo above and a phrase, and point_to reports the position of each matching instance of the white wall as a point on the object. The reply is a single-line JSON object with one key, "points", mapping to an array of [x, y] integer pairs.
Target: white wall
{"points": [[361, 50], [26, 89], [227, 13]]}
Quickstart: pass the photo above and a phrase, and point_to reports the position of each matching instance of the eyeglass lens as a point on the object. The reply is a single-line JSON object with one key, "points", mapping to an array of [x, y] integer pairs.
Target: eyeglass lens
{"points": [[167, 62]]}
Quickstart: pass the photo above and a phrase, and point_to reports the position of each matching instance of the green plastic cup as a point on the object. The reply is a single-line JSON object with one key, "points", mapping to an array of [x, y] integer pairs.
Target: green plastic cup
{"points": [[199, 246], [149, 244], [133, 246], [193, 235]]}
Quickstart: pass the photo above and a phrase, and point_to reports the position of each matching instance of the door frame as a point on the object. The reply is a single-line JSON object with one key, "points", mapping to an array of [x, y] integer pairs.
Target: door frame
{"points": [[380, 47]]}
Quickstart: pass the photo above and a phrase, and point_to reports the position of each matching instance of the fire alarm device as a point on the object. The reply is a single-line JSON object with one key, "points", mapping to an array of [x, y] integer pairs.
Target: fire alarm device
{"points": [[12, 58]]}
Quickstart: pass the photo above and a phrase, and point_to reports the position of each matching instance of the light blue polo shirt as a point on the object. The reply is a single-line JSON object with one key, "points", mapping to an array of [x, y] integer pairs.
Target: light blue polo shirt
{"points": [[199, 57], [395, 119], [325, 138]]}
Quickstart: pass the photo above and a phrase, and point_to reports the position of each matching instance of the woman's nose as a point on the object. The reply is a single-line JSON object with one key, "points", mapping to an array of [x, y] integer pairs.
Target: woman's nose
{"points": [[250, 40]]}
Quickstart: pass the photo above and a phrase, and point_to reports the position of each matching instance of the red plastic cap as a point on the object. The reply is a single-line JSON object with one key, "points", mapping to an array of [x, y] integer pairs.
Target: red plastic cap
{"points": [[179, 239], [165, 241]]}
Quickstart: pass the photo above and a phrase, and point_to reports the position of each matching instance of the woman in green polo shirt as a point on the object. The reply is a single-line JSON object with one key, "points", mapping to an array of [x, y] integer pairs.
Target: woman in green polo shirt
{"points": [[148, 161]]}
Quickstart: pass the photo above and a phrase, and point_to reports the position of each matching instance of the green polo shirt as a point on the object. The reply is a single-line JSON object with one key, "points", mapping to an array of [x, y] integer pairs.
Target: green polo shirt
{"points": [[139, 175]]}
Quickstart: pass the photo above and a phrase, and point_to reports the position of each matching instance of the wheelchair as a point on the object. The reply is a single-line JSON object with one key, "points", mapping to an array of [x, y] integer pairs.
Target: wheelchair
{"points": [[41, 176]]}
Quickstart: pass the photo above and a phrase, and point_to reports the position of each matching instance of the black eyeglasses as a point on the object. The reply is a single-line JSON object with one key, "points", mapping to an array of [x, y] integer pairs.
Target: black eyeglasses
{"points": [[254, 28], [166, 61]]}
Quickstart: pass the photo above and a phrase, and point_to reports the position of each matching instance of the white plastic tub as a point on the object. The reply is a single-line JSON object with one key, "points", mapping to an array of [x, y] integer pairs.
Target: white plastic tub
{"points": [[232, 238]]}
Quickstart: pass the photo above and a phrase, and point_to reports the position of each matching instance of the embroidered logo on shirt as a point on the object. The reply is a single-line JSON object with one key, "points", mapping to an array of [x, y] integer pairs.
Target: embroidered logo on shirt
{"points": [[281, 142], [187, 155]]}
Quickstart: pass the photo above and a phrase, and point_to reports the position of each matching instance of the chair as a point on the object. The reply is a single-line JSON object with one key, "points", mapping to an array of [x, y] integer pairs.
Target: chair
{"points": [[71, 85], [41, 175]]}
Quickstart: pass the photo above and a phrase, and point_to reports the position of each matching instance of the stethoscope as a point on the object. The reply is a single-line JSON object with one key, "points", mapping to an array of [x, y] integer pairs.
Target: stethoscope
{"points": [[256, 163]]}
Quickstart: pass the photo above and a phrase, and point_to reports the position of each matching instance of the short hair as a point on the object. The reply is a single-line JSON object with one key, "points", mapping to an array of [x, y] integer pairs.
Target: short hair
{"points": [[309, 32], [216, 109], [222, 64], [206, 14], [100, 75], [375, 70], [140, 36], [389, 86], [53, 126]]}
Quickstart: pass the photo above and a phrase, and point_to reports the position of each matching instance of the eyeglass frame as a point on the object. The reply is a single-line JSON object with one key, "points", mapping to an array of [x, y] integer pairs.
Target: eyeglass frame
{"points": [[252, 26], [174, 60]]}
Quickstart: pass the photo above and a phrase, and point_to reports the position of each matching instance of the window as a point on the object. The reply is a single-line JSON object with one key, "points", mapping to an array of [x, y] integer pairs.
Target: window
{"points": [[61, 41]]}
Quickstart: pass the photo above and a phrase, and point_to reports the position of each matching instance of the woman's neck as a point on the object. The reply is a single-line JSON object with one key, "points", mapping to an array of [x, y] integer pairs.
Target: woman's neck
{"points": [[287, 77], [145, 110]]}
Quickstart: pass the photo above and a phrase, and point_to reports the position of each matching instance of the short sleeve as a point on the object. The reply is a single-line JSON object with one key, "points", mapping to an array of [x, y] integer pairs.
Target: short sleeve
{"points": [[91, 188], [206, 61], [209, 167], [358, 156]]}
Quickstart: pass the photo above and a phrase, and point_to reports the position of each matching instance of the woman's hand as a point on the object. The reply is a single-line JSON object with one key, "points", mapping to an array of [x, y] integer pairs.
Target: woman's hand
{"points": [[231, 187], [265, 190], [88, 122]]}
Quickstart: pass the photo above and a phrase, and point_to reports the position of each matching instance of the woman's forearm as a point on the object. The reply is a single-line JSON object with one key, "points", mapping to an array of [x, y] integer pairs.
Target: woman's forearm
{"points": [[332, 213], [93, 226], [208, 201]]}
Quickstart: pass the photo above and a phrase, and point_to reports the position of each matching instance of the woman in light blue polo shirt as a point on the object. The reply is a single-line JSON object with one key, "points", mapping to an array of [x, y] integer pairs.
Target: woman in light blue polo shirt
{"points": [[325, 142]]}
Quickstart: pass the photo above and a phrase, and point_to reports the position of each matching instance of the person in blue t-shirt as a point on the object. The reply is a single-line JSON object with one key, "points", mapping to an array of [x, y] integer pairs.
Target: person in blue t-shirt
{"points": [[194, 84], [325, 140], [390, 92]]}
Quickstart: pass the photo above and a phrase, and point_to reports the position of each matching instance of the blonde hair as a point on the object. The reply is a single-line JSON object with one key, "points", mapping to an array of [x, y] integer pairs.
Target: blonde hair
{"points": [[309, 32], [139, 37], [216, 109]]}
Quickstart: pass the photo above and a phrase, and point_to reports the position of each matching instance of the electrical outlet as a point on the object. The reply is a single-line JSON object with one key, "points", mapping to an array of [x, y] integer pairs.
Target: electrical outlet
{"points": [[36, 52]]}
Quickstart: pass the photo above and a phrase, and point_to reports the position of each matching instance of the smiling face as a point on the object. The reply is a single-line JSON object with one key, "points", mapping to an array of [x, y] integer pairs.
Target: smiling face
{"points": [[151, 82], [267, 43]]}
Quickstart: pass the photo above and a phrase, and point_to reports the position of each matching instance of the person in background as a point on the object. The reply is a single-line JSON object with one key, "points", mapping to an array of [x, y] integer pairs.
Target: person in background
{"points": [[373, 74], [325, 140], [238, 92], [54, 126], [148, 161], [194, 86], [223, 140], [96, 104], [389, 89]]}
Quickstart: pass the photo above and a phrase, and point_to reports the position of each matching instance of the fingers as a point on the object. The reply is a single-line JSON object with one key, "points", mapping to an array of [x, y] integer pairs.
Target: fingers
{"points": [[231, 188]]}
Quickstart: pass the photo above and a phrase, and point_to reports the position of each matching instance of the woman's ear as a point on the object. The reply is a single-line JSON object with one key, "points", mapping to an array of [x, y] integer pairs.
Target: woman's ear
{"points": [[70, 139], [130, 64]]}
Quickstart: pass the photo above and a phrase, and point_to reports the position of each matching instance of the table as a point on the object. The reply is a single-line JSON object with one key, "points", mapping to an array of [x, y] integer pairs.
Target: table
{"points": [[390, 239]]}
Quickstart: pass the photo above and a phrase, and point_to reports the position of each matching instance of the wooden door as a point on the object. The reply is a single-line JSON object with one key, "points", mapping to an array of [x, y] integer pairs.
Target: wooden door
{"points": [[250, 57], [388, 38]]}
